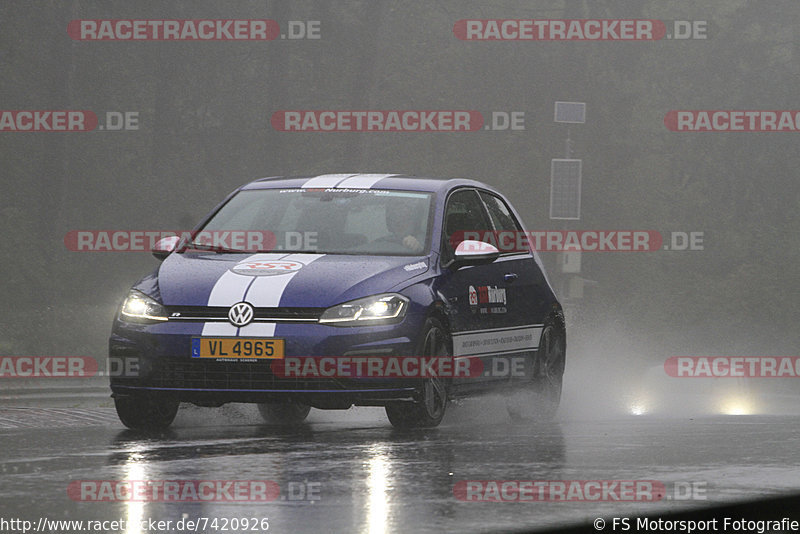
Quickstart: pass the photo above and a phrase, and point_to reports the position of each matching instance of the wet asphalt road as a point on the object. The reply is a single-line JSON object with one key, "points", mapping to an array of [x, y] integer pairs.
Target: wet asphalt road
{"points": [[352, 472]]}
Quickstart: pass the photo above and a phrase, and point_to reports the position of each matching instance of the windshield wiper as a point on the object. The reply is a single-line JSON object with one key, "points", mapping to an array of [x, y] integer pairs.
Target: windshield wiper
{"points": [[213, 248]]}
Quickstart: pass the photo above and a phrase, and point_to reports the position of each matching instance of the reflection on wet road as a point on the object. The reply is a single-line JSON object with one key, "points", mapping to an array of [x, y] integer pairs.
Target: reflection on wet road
{"points": [[352, 472]]}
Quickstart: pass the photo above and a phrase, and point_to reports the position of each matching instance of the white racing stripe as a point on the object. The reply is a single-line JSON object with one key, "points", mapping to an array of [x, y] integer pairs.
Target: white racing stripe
{"points": [[345, 181], [230, 289], [498, 340], [257, 330], [218, 329], [266, 292], [325, 180], [362, 181]]}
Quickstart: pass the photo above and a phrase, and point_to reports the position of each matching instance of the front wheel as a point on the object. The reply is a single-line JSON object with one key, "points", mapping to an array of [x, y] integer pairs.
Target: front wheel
{"points": [[540, 397], [428, 408], [146, 412], [290, 413]]}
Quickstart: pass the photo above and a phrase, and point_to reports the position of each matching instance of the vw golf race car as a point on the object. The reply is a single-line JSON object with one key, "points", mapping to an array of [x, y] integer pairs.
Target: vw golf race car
{"points": [[371, 290]]}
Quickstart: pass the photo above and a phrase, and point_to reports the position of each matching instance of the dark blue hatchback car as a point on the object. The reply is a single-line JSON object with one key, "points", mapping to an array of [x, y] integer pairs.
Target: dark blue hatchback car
{"points": [[357, 267]]}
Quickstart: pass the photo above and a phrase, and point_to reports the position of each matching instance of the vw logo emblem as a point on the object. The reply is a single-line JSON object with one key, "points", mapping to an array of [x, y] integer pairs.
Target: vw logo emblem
{"points": [[240, 314]]}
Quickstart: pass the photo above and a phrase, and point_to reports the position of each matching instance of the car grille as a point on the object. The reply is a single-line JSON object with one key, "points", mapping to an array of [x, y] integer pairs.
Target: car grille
{"points": [[220, 313]]}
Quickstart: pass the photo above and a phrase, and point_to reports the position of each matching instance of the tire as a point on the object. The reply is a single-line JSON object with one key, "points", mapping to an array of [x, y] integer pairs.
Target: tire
{"points": [[290, 413], [146, 412], [539, 399], [428, 409]]}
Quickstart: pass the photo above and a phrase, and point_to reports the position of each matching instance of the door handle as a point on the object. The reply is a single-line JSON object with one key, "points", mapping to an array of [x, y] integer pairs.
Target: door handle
{"points": [[510, 277]]}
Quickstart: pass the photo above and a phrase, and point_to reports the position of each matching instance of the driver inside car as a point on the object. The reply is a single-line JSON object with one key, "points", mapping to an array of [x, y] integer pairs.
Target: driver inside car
{"points": [[403, 223]]}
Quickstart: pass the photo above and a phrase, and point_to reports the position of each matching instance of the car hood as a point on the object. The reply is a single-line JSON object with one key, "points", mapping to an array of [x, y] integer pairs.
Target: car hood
{"points": [[286, 280]]}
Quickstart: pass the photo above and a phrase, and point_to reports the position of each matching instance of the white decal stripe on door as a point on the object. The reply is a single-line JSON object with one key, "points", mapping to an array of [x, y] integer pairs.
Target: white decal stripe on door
{"points": [[490, 342]]}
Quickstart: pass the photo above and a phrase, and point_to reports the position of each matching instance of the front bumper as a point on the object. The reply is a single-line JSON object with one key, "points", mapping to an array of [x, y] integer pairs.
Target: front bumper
{"points": [[156, 359]]}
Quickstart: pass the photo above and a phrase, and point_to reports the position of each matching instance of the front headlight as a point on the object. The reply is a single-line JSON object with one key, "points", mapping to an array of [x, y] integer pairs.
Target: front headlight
{"points": [[378, 309], [139, 308]]}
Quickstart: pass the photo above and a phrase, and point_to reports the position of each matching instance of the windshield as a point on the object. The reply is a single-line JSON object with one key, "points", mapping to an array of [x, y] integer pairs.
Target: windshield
{"points": [[330, 221]]}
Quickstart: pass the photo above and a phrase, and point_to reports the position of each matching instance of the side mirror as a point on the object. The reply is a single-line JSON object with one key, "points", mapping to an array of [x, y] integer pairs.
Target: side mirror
{"points": [[164, 246], [471, 252]]}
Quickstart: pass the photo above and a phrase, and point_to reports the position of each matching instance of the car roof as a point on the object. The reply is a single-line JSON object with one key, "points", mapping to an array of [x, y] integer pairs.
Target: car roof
{"points": [[364, 181]]}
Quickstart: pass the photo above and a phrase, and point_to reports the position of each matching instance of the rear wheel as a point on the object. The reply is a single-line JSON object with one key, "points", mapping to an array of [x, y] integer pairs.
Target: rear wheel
{"points": [[288, 413], [540, 397], [429, 407], [146, 412]]}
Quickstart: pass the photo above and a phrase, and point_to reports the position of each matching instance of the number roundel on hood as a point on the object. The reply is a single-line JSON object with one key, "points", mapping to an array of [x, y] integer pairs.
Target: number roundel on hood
{"points": [[266, 268]]}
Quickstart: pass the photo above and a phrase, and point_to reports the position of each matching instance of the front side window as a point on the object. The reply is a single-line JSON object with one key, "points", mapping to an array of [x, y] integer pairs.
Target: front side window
{"points": [[465, 217], [500, 214]]}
